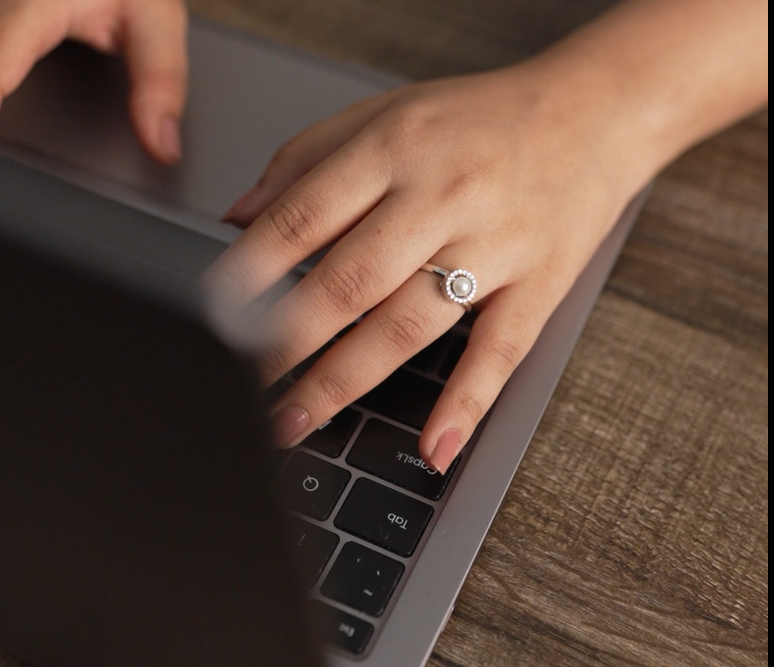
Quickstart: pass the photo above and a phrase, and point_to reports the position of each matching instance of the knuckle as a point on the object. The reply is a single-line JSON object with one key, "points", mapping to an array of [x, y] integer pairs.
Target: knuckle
{"points": [[274, 359], [293, 221], [333, 390], [506, 355], [403, 329], [405, 125], [232, 277], [469, 185], [470, 406], [345, 285]]}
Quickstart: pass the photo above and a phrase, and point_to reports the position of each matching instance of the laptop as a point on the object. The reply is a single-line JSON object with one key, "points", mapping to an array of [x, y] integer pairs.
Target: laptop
{"points": [[342, 540]]}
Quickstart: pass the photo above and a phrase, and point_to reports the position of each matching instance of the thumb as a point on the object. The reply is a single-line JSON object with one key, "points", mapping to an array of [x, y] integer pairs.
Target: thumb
{"points": [[155, 52]]}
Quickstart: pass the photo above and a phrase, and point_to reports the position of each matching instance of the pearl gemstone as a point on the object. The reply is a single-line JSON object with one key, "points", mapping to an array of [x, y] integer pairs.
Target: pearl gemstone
{"points": [[461, 286]]}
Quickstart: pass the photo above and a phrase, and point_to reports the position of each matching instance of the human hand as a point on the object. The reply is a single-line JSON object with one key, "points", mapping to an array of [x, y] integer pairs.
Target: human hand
{"points": [[503, 174], [149, 33]]}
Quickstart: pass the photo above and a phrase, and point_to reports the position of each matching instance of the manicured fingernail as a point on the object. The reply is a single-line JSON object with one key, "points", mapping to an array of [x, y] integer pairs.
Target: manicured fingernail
{"points": [[243, 204], [289, 423], [446, 450], [169, 138]]}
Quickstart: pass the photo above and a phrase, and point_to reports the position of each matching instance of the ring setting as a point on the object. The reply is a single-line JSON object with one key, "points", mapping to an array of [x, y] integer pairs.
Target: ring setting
{"points": [[458, 286]]}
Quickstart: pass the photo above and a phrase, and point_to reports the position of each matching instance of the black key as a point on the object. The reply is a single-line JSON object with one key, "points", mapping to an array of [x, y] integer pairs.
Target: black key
{"points": [[313, 486], [430, 358], [332, 438], [362, 579], [383, 516], [313, 547], [340, 629], [392, 453], [452, 357], [405, 397]]}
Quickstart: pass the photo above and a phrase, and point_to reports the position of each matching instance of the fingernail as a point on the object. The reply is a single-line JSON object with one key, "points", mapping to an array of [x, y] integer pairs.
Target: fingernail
{"points": [[446, 450], [242, 204], [169, 138], [289, 423]]}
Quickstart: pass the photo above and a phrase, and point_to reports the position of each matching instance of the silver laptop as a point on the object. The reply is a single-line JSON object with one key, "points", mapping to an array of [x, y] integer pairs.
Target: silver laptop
{"points": [[383, 544]]}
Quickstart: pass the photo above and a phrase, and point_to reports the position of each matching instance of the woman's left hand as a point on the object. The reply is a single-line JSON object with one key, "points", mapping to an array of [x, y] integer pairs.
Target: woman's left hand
{"points": [[512, 175]]}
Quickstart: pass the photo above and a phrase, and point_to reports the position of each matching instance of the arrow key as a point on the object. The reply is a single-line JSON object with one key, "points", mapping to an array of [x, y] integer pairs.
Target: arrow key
{"points": [[362, 579]]}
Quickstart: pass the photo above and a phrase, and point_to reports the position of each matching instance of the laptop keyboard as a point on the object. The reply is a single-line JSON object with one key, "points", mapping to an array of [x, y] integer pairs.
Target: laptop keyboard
{"points": [[362, 499]]}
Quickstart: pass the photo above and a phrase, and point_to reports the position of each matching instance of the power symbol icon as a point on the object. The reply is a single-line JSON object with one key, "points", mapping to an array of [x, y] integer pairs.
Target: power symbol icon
{"points": [[311, 484]]}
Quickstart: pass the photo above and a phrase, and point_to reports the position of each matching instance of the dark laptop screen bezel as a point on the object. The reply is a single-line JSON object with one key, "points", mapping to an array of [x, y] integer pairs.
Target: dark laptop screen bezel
{"points": [[138, 521]]}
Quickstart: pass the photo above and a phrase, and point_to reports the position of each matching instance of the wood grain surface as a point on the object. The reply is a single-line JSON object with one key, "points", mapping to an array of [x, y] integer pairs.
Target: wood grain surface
{"points": [[636, 530]]}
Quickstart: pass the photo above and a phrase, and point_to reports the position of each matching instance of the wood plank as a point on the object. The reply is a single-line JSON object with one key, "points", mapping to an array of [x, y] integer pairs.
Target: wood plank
{"points": [[700, 249]]}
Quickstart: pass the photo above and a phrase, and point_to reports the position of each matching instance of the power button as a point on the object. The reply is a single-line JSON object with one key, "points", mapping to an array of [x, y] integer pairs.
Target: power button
{"points": [[313, 486]]}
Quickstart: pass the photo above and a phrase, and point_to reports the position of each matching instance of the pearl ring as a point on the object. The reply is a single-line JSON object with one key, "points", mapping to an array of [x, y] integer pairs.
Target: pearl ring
{"points": [[458, 285]]}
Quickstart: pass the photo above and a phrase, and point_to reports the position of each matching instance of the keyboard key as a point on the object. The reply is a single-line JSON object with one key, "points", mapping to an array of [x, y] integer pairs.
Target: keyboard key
{"points": [[405, 397], [362, 579], [392, 453], [332, 438], [313, 486], [313, 547], [340, 629], [384, 516]]}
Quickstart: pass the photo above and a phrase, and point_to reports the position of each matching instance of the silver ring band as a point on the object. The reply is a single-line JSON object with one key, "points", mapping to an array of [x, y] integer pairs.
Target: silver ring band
{"points": [[458, 286]]}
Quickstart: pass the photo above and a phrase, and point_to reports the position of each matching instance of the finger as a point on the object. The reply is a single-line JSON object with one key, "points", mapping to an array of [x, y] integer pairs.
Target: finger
{"points": [[27, 32], [502, 335], [300, 155], [156, 58], [405, 323], [371, 262], [320, 208]]}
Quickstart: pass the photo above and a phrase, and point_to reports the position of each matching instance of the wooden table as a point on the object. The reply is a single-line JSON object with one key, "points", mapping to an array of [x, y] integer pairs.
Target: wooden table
{"points": [[636, 530]]}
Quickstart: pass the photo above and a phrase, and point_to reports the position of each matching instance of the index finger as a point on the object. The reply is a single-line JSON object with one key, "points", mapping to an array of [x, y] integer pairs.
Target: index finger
{"points": [[317, 210]]}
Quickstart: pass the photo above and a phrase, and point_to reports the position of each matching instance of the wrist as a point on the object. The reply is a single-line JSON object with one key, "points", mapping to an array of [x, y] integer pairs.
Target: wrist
{"points": [[650, 78], [606, 127]]}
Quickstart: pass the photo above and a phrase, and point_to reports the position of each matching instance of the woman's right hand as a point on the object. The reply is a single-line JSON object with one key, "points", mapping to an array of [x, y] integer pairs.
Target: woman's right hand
{"points": [[149, 33]]}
